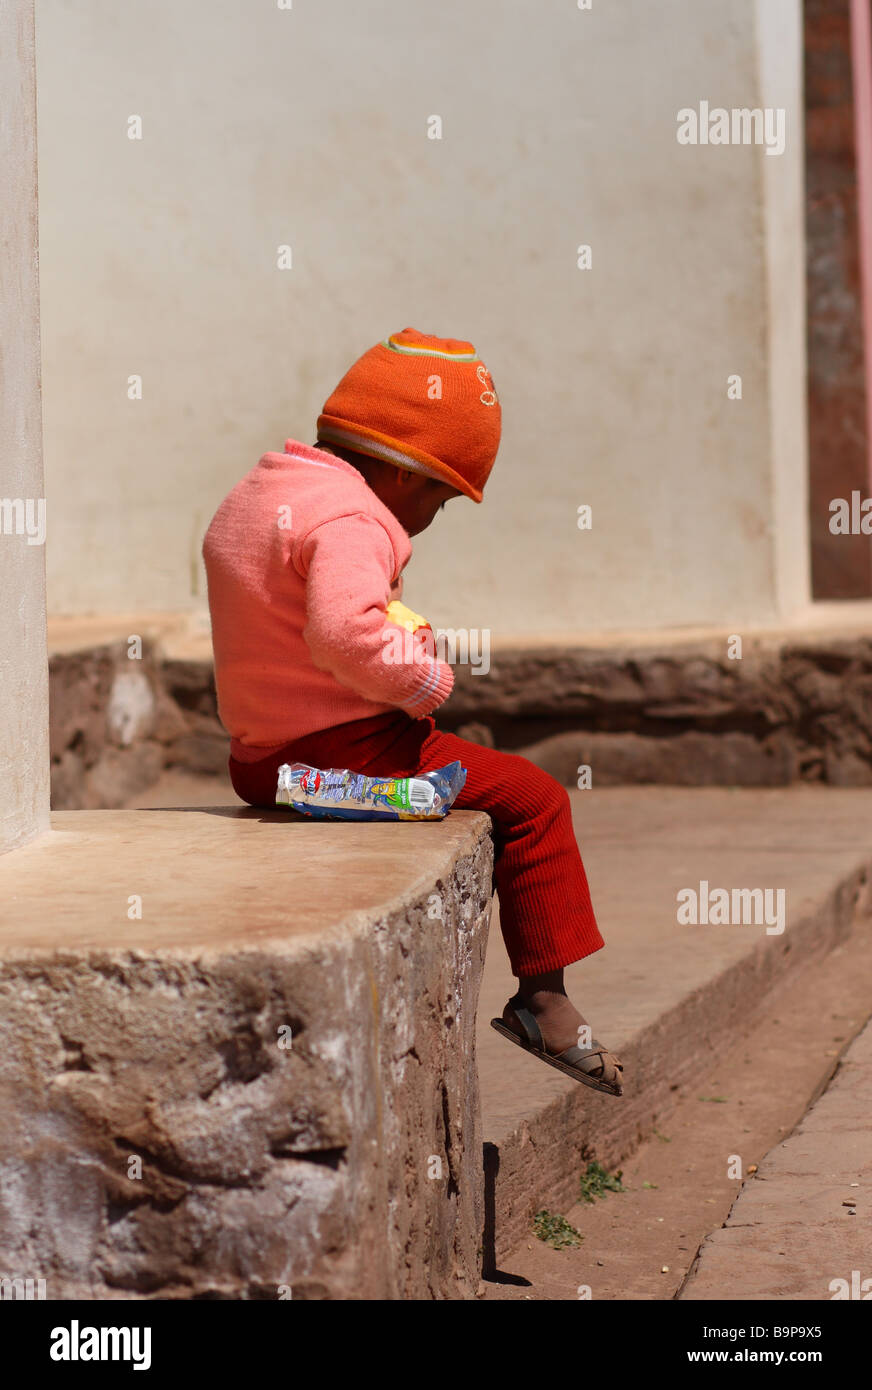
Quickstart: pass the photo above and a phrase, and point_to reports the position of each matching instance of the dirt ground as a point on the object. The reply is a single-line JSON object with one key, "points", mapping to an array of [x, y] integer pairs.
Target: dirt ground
{"points": [[640, 1243]]}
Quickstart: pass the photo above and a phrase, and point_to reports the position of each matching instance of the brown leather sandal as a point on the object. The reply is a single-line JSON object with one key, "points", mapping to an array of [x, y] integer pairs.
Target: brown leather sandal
{"points": [[570, 1061]]}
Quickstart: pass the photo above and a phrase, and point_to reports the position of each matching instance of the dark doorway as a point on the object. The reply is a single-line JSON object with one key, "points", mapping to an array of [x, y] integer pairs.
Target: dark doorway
{"points": [[837, 408]]}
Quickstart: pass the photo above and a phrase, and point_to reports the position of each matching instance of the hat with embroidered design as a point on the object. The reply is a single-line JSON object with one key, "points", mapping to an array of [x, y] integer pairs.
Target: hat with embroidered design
{"points": [[421, 403]]}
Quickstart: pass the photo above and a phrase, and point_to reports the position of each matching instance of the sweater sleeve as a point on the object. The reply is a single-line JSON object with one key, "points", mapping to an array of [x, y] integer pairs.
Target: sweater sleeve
{"points": [[348, 565]]}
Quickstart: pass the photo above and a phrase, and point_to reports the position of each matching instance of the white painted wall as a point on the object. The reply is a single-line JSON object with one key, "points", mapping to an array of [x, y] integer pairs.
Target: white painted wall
{"points": [[24, 758], [309, 127]]}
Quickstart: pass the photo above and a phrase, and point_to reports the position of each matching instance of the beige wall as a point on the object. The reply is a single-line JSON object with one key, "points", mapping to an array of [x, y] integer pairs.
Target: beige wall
{"points": [[23, 671], [309, 127]]}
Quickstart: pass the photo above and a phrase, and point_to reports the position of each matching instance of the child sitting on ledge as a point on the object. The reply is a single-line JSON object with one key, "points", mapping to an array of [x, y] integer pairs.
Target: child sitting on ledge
{"points": [[302, 559]]}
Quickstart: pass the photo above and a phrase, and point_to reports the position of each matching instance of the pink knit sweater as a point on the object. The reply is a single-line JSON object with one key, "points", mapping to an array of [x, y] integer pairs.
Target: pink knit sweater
{"points": [[300, 558]]}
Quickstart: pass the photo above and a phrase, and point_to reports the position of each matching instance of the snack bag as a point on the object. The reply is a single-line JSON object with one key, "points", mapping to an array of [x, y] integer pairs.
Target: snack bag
{"points": [[335, 793]]}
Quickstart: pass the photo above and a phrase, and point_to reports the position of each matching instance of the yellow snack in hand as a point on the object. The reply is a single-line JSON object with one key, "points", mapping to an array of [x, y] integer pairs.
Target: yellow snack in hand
{"points": [[398, 613]]}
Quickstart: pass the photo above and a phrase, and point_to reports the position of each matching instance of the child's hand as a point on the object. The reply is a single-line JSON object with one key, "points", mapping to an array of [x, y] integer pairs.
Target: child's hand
{"points": [[397, 612]]}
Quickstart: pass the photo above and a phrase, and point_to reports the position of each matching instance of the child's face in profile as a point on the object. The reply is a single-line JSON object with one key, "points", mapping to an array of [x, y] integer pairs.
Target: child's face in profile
{"points": [[413, 498]]}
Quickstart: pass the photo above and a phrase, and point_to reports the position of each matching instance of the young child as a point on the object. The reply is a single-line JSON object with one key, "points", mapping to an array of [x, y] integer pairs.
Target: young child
{"points": [[302, 559]]}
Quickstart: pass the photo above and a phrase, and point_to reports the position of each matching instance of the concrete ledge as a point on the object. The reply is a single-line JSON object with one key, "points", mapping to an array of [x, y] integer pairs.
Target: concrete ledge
{"points": [[669, 709], [186, 634], [346, 1165], [787, 709]]}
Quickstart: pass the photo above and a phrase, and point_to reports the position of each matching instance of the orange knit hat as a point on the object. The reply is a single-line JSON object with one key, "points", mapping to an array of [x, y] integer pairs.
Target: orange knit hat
{"points": [[422, 403]]}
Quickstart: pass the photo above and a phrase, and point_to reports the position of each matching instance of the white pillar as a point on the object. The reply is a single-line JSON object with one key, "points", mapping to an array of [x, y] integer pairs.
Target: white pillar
{"points": [[24, 748], [779, 34]]}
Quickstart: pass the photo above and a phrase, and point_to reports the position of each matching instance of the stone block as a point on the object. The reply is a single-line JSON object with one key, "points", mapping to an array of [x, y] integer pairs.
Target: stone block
{"points": [[263, 1077]]}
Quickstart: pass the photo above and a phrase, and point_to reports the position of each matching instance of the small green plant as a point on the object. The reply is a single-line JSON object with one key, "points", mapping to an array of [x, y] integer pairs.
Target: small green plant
{"points": [[597, 1181], [652, 1185], [664, 1138], [555, 1230], [715, 1100]]}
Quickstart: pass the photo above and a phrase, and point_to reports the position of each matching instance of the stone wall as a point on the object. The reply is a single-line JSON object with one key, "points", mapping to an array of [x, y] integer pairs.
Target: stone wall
{"points": [[790, 710], [117, 723], [343, 1165]]}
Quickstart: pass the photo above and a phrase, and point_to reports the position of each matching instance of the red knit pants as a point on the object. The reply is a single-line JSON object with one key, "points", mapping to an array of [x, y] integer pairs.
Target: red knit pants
{"points": [[546, 914]]}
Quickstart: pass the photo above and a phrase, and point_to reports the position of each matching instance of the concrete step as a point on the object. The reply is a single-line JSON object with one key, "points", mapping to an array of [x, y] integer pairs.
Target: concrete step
{"points": [[234, 1056], [799, 1228], [666, 996], [670, 998]]}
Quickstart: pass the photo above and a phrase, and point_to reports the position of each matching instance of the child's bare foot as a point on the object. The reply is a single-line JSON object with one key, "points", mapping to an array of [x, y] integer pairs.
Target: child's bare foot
{"points": [[559, 1020], [549, 1021]]}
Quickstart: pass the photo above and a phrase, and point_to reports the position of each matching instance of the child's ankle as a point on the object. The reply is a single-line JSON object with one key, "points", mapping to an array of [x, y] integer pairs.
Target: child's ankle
{"points": [[531, 986]]}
